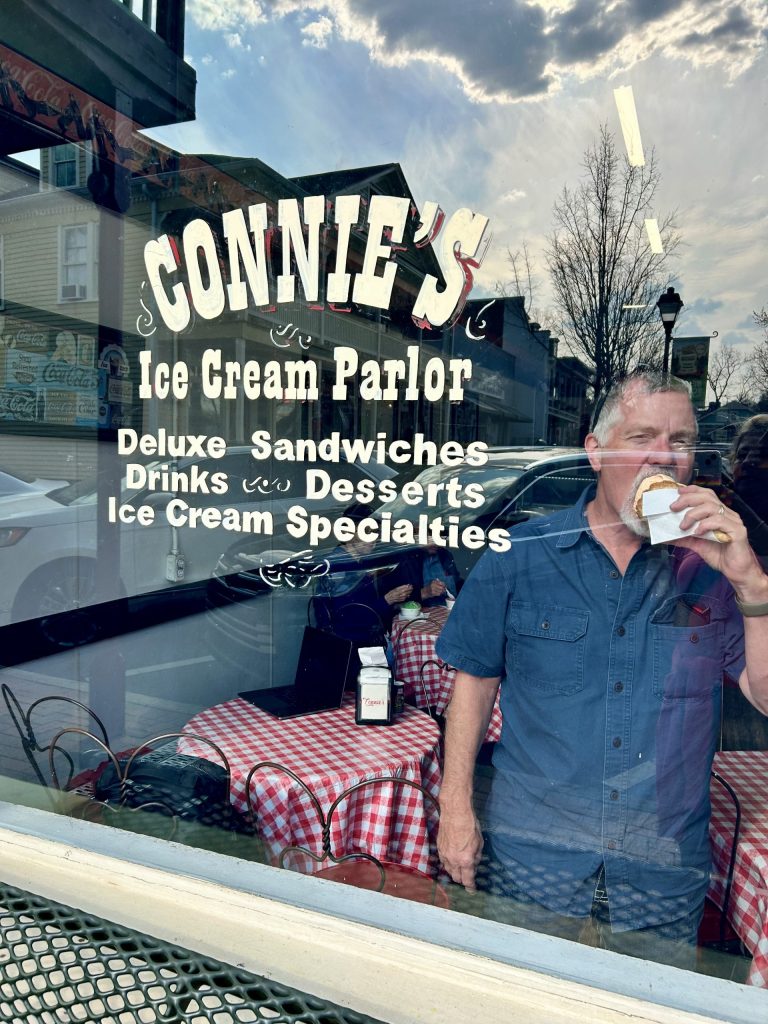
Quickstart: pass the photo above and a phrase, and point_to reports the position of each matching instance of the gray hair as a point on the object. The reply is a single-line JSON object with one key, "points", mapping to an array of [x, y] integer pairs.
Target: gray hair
{"points": [[756, 428], [651, 382]]}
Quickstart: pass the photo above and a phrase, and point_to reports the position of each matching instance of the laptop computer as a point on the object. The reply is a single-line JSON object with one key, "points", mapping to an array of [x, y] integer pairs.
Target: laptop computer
{"points": [[321, 673]]}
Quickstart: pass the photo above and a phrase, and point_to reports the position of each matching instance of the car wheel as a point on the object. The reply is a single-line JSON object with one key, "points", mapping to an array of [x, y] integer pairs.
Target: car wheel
{"points": [[60, 598]]}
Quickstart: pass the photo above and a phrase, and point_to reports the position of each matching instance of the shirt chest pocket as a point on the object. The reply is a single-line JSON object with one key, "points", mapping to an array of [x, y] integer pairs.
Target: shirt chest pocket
{"points": [[687, 649], [548, 647]]}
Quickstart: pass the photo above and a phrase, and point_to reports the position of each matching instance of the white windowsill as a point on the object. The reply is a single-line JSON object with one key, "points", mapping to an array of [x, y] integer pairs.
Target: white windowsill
{"points": [[362, 951]]}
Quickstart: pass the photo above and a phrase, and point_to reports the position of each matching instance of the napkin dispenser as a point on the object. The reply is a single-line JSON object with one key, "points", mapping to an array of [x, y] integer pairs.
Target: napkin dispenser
{"points": [[374, 696]]}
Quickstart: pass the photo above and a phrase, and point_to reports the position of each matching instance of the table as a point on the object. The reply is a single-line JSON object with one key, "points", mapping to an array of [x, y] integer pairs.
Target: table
{"points": [[395, 823], [429, 681], [747, 772]]}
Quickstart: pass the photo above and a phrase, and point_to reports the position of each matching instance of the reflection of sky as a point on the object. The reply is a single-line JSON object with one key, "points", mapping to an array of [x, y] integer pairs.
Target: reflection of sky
{"points": [[314, 85]]}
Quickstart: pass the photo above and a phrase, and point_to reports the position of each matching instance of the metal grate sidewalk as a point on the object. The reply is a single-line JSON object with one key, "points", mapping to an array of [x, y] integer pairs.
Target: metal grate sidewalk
{"points": [[63, 966]]}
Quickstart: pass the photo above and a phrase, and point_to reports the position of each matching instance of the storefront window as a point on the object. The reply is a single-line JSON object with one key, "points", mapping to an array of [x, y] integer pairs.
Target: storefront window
{"points": [[334, 349]]}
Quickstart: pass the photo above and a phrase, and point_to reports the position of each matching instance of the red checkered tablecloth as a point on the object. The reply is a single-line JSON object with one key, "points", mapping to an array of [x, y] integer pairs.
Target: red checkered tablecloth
{"points": [[429, 681], [330, 753], [747, 772]]}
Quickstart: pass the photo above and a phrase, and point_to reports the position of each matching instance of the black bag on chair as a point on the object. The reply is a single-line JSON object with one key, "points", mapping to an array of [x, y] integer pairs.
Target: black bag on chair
{"points": [[164, 780]]}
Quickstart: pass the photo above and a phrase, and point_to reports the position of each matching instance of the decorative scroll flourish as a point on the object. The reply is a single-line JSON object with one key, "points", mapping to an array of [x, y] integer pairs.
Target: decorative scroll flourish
{"points": [[145, 321], [265, 486], [304, 341], [481, 323], [295, 571]]}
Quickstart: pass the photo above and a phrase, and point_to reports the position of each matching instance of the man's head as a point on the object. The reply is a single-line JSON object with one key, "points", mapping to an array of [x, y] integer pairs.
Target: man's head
{"points": [[646, 425], [750, 465], [750, 446]]}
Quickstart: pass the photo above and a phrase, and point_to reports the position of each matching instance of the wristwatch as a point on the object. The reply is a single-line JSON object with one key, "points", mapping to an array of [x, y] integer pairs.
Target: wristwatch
{"points": [[750, 610]]}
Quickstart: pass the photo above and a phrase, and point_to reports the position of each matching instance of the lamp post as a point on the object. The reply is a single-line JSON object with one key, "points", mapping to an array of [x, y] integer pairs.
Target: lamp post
{"points": [[669, 305]]}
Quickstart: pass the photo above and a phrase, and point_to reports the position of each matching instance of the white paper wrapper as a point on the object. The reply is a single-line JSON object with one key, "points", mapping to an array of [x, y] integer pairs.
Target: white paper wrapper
{"points": [[665, 525], [372, 656]]}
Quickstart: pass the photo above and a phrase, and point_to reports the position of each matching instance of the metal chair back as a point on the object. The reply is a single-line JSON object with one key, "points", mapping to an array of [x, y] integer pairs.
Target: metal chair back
{"points": [[379, 875], [25, 723]]}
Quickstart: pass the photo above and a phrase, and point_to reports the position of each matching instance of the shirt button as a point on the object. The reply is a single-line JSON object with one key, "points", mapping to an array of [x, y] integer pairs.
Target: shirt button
{"points": [[611, 844], [614, 794], [618, 687], [545, 624], [621, 631], [614, 574], [617, 741], [694, 638]]}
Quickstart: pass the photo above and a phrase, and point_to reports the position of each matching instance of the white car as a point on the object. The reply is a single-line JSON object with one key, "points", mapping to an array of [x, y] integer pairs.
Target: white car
{"points": [[12, 486], [49, 544]]}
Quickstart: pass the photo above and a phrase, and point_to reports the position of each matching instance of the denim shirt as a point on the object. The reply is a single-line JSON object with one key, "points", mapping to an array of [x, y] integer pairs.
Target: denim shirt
{"points": [[610, 696]]}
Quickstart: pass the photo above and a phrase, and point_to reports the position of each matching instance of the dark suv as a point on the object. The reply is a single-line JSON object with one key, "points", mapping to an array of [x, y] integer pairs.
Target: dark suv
{"points": [[260, 596]]}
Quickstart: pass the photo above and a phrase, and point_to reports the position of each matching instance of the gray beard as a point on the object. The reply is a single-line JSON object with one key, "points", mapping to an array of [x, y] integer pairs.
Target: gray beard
{"points": [[627, 512]]}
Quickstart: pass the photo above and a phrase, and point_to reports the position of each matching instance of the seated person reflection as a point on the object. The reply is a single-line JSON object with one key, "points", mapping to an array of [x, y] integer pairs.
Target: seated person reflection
{"points": [[610, 653], [359, 601], [436, 576], [750, 482]]}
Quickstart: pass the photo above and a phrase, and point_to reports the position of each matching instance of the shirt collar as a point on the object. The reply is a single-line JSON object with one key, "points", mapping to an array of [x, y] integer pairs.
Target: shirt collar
{"points": [[576, 524]]}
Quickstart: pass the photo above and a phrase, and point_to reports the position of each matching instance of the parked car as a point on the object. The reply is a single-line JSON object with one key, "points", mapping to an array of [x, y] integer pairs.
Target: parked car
{"points": [[49, 544], [246, 601], [14, 486]]}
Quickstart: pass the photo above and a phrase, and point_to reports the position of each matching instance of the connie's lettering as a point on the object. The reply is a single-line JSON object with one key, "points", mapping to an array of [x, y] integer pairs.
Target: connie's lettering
{"points": [[246, 277]]}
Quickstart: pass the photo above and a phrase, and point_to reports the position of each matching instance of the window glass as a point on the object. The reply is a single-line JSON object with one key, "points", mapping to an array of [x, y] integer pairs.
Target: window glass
{"points": [[350, 366], [65, 166]]}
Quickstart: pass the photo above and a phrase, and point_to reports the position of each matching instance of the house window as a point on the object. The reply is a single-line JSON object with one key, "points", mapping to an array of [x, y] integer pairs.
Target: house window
{"points": [[77, 263], [65, 166]]}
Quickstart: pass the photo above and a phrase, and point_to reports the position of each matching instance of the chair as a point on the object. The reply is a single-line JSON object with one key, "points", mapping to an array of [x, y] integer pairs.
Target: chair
{"points": [[345, 620], [724, 941], [154, 777], [360, 869], [429, 661], [25, 723]]}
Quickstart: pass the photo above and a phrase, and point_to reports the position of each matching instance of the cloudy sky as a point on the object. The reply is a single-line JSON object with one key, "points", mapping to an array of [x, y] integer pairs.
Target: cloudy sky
{"points": [[490, 104]]}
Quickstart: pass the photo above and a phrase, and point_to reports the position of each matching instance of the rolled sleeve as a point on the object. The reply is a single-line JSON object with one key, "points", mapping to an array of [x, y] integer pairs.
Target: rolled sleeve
{"points": [[473, 638]]}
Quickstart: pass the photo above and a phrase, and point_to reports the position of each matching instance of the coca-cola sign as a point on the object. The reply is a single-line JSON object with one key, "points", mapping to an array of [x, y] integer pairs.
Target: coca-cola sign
{"points": [[18, 405], [67, 375]]}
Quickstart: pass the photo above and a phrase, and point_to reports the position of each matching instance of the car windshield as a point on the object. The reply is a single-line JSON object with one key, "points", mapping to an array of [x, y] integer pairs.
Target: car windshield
{"points": [[85, 492], [13, 485], [438, 497]]}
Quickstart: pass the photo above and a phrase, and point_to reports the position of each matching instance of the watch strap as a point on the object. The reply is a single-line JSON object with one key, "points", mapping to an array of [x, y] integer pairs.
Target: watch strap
{"points": [[750, 610]]}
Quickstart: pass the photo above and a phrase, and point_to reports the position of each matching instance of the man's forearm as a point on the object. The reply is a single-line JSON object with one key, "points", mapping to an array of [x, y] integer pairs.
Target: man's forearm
{"points": [[754, 678], [467, 720]]}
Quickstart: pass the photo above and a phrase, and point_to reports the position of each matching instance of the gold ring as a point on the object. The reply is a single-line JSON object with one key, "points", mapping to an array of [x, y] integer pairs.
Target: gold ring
{"points": [[721, 510]]}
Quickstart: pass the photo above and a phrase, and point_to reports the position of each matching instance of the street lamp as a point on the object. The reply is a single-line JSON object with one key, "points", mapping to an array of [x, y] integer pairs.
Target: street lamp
{"points": [[669, 305]]}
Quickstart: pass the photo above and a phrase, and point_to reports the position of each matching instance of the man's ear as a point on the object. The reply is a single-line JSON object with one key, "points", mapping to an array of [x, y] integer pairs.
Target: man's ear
{"points": [[593, 450]]}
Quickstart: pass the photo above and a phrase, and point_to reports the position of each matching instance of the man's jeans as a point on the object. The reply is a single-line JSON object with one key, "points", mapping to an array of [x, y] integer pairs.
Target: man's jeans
{"points": [[673, 942]]}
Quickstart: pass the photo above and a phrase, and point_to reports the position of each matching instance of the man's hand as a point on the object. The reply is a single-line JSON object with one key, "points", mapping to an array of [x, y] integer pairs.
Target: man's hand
{"points": [[738, 563], [459, 845], [435, 588], [399, 594], [735, 559]]}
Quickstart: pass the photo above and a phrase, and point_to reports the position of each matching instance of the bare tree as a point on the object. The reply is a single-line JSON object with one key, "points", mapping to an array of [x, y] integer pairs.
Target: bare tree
{"points": [[523, 281], [758, 361], [605, 275], [725, 368]]}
